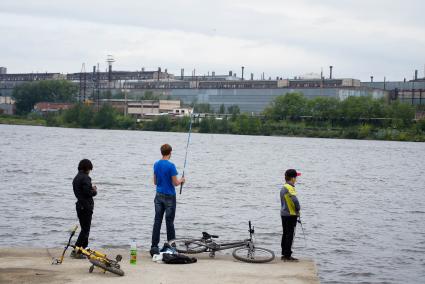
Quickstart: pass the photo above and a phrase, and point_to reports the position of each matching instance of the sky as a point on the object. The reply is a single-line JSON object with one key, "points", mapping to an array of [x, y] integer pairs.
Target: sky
{"points": [[282, 38]]}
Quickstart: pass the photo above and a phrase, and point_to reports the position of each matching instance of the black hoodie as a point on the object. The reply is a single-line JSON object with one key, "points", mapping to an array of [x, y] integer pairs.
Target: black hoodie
{"points": [[83, 190]]}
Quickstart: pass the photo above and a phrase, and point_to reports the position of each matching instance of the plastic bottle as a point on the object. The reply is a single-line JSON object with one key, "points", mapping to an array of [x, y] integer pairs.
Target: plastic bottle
{"points": [[133, 252]]}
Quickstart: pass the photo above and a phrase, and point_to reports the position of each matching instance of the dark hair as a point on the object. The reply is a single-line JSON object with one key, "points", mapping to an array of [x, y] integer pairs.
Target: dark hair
{"points": [[291, 173], [166, 149], [85, 165]]}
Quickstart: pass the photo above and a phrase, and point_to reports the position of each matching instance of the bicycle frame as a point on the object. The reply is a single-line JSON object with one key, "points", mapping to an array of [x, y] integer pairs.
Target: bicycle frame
{"points": [[212, 246], [243, 250], [91, 254]]}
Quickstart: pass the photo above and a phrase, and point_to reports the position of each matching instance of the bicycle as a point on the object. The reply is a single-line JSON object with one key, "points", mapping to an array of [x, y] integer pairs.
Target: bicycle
{"points": [[96, 258], [244, 250]]}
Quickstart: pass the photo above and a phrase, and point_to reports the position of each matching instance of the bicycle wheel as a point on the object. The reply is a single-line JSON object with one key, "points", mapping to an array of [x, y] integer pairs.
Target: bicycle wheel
{"points": [[106, 267], [189, 246], [255, 255]]}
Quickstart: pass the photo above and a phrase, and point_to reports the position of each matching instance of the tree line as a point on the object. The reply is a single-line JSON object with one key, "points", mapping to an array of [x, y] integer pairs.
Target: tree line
{"points": [[291, 114]]}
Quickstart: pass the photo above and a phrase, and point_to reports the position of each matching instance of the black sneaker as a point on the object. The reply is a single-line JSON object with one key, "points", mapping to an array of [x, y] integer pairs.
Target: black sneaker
{"points": [[289, 259], [77, 255]]}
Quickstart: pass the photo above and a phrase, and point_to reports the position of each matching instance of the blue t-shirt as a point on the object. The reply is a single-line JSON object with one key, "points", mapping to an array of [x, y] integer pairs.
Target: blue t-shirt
{"points": [[164, 170]]}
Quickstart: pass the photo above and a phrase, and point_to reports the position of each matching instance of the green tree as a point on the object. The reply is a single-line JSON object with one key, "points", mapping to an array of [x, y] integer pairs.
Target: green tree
{"points": [[421, 125], [324, 108], [160, 123], [208, 125], [183, 123], [125, 122], [402, 114], [248, 125], [203, 108], [354, 108], [223, 125], [105, 117], [291, 105], [80, 115], [28, 94], [233, 110]]}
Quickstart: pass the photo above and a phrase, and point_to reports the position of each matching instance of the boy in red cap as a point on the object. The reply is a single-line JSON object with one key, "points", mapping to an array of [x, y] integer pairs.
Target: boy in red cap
{"points": [[289, 213]]}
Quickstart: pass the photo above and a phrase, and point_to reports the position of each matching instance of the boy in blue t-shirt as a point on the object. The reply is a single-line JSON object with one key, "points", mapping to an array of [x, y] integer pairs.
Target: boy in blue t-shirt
{"points": [[165, 179]]}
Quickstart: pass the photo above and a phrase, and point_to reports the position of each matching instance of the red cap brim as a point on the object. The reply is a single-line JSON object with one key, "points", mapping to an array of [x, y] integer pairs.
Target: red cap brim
{"points": [[298, 174]]}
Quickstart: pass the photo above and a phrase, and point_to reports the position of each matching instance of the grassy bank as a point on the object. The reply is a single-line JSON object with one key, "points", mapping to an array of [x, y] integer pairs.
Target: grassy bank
{"points": [[243, 125], [288, 115], [22, 120]]}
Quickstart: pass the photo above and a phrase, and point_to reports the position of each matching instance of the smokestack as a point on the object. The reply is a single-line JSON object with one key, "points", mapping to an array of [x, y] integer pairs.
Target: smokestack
{"points": [[182, 73], [242, 71], [230, 73], [371, 79], [110, 73], [252, 76], [330, 72], [143, 69], [213, 73], [416, 75], [94, 69], [159, 72]]}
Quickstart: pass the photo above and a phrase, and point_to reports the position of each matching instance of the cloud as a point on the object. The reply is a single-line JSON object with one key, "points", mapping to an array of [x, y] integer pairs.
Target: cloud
{"points": [[281, 38]]}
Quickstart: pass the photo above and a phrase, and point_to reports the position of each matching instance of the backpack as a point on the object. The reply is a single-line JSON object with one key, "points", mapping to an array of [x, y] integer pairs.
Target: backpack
{"points": [[177, 259]]}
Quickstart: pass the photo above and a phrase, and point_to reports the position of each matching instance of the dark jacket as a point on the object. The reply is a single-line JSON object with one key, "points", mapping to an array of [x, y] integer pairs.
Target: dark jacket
{"points": [[83, 191]]}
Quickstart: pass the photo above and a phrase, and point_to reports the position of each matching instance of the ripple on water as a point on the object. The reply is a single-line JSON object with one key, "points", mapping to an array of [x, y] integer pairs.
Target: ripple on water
{"points": [[353, 229]]}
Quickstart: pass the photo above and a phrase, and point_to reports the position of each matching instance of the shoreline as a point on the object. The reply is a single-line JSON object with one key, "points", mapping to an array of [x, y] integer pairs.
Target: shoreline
{"points": [[33, 265], [24, 122]]}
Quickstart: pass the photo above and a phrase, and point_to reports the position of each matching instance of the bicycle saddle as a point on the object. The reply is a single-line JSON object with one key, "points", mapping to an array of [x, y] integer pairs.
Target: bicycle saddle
{"points": [[205, 235]]}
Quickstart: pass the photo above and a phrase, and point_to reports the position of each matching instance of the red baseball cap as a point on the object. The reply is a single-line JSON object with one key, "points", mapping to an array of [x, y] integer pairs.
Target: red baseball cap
{"points": [[291, 173]]}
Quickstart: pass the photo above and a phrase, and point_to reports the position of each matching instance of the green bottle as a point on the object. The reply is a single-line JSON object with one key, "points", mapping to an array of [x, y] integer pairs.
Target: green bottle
{"points": [[133, 252]]}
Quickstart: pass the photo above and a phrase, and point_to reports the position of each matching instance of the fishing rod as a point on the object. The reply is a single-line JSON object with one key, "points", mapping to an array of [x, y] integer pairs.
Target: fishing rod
{"points": [[187, 147], [302, 228]]}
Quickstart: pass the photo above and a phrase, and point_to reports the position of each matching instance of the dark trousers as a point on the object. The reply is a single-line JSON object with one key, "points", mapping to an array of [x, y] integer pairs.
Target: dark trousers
{"points": [[288, 225], [164, 204], [84, 216]]}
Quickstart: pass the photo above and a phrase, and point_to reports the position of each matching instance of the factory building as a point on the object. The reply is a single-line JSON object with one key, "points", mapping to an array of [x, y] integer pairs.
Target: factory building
{"points": [[411, 92], [249, 94]]}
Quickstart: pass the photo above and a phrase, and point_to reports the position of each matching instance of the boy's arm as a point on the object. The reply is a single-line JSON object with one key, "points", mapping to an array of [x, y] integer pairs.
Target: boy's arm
{"points": [[174, 178], [154, 179], [87, 187], [177, 181], [296, 203]]}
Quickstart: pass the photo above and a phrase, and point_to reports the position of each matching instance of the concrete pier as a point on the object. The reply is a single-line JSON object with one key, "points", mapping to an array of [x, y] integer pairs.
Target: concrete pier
{"points": [[33, 265]]}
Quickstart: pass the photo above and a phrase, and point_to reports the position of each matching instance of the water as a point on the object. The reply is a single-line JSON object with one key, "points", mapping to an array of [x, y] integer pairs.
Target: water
{"points": [[363, 202]]}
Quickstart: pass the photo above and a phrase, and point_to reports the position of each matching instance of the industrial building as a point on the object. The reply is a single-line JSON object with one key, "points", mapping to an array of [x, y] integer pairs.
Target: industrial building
{"points": [[7, 105], [249, 94]]}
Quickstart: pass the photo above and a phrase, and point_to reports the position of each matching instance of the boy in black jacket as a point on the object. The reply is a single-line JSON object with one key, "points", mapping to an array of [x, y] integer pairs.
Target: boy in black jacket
{"points": [[84, 192]]}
